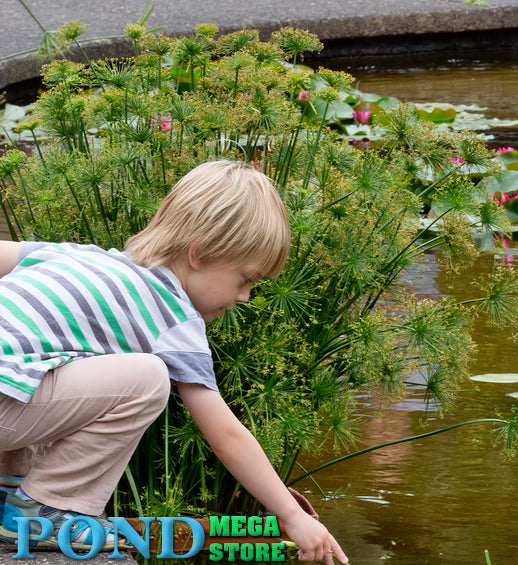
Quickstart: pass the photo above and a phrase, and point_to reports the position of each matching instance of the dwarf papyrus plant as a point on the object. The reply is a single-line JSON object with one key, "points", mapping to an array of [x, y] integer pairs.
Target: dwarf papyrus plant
{"points": [[340, 316]]}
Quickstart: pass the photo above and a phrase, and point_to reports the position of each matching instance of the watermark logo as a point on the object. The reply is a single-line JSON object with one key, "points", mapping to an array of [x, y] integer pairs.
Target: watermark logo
{"points": [[240, 526], [224, 529]]}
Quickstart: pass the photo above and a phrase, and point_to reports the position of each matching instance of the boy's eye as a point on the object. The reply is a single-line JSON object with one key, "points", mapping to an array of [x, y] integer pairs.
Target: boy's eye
{"points": [[251, 278]]}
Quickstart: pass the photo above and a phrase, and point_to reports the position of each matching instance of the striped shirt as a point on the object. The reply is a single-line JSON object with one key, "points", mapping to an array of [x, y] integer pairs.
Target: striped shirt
{"points": [[67, 301]]}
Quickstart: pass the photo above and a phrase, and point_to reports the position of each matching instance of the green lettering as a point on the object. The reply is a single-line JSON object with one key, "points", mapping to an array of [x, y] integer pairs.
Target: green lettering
{"points": [[232, 548], [219, 526], [255, 526], [215, 553], [271, 527], [262, 552], [246, 551], [237, 525], [278, 552]]}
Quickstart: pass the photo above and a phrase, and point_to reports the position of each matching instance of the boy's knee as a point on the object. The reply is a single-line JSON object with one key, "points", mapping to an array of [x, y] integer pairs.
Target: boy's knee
{"points": [[154, 377]]}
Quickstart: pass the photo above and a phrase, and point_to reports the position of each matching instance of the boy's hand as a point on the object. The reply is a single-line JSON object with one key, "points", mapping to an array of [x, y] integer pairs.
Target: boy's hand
{"points": [[314, 540], [242, 455]]}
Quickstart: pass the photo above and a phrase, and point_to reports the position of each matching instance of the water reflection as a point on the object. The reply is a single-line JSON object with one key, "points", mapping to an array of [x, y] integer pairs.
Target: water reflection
{"points": [[442, 499], [489, 81]]}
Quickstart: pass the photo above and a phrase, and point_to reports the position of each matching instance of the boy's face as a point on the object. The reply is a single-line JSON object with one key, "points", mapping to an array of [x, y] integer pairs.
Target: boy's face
{"points": [[215, 287]]}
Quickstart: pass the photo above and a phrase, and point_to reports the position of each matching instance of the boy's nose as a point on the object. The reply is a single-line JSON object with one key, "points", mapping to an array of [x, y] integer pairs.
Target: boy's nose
{"points": [[243, 296]]}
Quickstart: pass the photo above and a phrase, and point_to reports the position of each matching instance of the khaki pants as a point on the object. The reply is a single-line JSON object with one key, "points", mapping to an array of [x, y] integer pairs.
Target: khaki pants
{"points": [[91, 415]]}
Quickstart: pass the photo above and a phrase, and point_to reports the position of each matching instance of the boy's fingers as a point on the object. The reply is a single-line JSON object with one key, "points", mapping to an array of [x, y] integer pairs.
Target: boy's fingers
{"points": [[338, 552], [335, 550], [328, 559]]}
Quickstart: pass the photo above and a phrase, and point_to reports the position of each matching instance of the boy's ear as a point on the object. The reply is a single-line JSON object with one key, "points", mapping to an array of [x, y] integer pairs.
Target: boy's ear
{"points": [[192, 257]]}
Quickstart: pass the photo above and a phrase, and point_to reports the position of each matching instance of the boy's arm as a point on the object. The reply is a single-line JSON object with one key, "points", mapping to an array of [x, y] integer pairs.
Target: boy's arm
{"points": [[242, 455], [9, 256]]}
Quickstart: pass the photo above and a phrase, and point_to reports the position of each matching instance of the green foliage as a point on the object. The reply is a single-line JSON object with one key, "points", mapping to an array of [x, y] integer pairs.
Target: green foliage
{"points": [[118, 134], [295, 42]]}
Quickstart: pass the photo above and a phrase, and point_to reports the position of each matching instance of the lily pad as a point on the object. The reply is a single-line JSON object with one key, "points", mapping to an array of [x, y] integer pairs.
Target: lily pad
{"points": [[506, 182], [368, 96], [509, 159], [13, 113], [387, 102], [511, 209], [499, 378], [437, 114], [335, 111]]}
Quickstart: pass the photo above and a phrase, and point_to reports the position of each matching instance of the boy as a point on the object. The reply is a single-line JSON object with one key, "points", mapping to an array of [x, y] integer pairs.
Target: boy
{"points": [[93, 341]]}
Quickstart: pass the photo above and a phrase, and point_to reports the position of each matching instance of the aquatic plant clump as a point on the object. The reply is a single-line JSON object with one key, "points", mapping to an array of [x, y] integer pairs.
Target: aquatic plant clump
{"points": [[117, 134]]}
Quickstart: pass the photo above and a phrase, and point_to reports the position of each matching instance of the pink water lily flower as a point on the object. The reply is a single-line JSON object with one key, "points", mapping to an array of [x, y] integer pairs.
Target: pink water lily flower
{"points": [[504, 150], [361, 117], [500, 200], [505, 196], [164, 122], [500, 241], [361, 144], [457, 160], [303, 95]]}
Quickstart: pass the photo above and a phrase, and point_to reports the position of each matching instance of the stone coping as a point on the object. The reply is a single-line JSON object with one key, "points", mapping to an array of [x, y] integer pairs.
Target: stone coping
{"points": [[360, 25], [57, 558]]}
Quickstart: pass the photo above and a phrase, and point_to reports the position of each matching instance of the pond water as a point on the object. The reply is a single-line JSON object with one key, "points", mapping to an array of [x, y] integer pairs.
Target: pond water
{"points": [[440, 500], [445, 499], [489, 81]]}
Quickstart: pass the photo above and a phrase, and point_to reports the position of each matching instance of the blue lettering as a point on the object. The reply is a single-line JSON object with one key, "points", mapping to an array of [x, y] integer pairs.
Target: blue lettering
{"points": [[132, 536], [97, 537], [47, 529], [198, 537]]}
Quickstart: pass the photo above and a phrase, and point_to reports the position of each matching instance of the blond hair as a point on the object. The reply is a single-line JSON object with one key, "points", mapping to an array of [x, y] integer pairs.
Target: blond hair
{"points": [[231, 212]]}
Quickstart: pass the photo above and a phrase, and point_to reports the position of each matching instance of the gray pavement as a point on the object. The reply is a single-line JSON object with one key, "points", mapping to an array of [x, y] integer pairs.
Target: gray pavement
{"points": [[363, 22], [57, 558]]}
